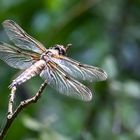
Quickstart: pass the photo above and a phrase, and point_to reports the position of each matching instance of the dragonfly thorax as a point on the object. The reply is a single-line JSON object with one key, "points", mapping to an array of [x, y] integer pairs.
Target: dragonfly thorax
{"points": [[55, 50]]}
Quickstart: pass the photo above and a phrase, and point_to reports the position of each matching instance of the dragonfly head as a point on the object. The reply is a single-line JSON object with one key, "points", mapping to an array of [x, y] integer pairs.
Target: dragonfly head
{"points": [[60, 48]]}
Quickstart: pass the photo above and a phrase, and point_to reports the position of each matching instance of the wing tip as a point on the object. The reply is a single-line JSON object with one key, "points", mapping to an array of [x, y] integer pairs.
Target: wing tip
{"points": [[7, 22], [105, 75], [88, 96], [88, 99]]}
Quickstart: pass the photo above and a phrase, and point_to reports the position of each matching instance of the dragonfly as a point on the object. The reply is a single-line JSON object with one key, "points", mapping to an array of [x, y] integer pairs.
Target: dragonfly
{"points": [[52, 65]]}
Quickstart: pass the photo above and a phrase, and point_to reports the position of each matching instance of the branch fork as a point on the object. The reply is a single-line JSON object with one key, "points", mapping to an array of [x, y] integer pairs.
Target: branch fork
{"points": [[12, 114]]}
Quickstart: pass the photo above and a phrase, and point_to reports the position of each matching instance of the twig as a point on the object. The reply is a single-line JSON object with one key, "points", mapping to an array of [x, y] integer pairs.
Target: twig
{"points": [[11, 101], [11, 116]]}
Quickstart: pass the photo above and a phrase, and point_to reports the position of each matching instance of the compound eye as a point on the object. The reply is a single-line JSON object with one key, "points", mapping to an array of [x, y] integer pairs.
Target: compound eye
{"points": [[57, 48], [61, 51]]}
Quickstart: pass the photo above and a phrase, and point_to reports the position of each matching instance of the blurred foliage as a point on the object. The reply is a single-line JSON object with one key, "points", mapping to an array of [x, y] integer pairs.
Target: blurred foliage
{"points": [[103, 33]]}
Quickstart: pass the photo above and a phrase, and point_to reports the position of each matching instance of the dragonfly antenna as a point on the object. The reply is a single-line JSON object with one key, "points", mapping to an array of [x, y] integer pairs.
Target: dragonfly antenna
{"points": [[68, 45]]}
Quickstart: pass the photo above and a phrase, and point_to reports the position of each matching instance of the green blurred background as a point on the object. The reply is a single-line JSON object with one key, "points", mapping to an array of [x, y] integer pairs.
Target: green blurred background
{"points": [[104, 34]]}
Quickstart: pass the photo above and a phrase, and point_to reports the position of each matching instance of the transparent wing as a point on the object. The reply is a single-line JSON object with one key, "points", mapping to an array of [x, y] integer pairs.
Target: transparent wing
{"points": [[57, 79], [80, 71], [15, 57], [20, 38]]}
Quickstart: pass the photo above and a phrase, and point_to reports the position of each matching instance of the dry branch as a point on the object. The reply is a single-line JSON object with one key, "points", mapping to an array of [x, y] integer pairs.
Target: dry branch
{"points": [[11, 115]]}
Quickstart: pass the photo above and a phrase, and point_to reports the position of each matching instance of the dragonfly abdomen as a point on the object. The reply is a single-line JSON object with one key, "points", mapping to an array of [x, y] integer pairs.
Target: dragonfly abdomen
{"points": [[32, 71]]}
